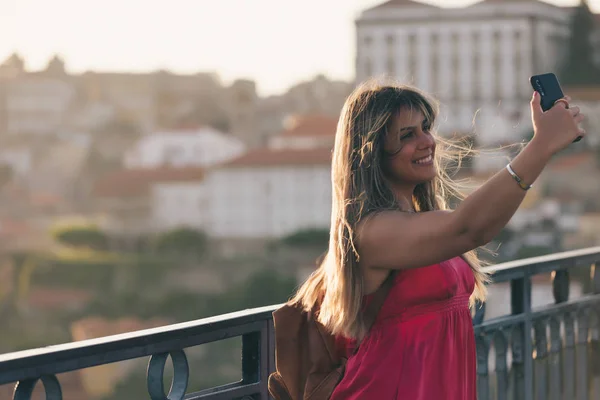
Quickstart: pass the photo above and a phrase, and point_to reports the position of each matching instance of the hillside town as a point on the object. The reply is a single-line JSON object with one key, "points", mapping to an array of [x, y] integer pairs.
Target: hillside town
{"points": [[132, 157]]}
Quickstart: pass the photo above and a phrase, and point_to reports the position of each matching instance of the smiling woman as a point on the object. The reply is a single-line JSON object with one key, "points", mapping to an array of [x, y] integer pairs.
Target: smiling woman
{"points": [[411, 146], [393, 235]]}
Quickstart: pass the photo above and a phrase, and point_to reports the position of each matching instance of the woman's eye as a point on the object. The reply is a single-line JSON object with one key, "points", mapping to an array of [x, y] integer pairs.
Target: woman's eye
{"points": [[407, 136]]}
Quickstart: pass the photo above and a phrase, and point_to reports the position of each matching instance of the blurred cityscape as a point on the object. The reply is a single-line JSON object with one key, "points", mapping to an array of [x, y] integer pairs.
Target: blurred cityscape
{"points": [[134, 200]]}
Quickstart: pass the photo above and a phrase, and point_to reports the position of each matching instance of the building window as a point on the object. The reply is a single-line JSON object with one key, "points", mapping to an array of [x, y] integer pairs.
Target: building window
{"points": [[368, 67], [412, 57], [518, 60], [559, 44], [455, 54], [390, 55], [476, 65], [435, 62], [497, 64]]}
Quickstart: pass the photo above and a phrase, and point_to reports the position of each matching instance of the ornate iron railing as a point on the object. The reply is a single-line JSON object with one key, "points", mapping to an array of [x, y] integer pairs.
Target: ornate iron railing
{"points": [[555, 350]]}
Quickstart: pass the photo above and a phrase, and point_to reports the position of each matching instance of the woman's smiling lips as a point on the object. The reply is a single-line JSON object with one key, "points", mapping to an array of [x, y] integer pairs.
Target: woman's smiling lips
{"points": [[427, 160]]}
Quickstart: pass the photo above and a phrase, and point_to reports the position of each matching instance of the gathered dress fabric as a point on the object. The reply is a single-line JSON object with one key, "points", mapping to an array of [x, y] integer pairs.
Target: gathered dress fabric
{"points": [[422, 344]]}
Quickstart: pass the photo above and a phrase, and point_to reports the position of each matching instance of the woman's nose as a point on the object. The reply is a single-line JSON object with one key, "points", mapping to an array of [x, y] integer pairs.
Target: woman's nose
{"points": [[425, 139]]}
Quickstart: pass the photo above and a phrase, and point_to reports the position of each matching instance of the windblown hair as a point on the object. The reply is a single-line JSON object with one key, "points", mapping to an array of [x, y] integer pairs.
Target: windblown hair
{"points": [[336, 288]]}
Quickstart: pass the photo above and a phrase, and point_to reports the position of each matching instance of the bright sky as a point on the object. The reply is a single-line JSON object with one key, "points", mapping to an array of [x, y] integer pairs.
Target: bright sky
{"points": [[275, 42]]}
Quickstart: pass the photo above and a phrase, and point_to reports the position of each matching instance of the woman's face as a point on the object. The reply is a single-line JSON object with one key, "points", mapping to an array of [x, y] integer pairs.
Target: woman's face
{"points": [[410, 149]]}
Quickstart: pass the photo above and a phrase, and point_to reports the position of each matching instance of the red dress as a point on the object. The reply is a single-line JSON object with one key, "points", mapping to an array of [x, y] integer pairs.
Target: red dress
{"points": [[422, 345]]}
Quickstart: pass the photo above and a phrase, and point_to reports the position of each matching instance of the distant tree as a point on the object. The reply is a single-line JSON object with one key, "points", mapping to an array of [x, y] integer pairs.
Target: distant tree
{"points": [[185, 242], [578, 67], [264, 287], [308, 238], [505, 235], [533, 251], [82, 236]]}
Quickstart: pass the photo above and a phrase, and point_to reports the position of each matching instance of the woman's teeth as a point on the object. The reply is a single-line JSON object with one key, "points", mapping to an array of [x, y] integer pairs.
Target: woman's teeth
{"points": [[424, 160]]}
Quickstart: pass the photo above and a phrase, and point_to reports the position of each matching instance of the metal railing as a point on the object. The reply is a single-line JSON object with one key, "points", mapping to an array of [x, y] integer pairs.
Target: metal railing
{"points": [[552, 347], [549, 347]]}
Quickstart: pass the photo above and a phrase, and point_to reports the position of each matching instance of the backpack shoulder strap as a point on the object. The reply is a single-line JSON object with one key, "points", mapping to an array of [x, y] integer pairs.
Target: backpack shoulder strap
{"points": [[372, 309]]}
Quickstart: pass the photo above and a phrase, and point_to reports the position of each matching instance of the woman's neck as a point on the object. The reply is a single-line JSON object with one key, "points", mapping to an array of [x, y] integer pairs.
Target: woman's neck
{"points": [[405, 201]]}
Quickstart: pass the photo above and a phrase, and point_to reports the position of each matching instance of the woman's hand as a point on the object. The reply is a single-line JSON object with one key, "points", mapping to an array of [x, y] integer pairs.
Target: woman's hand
{"points": [[556, 128]]}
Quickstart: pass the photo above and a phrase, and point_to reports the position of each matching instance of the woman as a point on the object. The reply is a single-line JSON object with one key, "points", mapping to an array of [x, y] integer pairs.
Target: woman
{"points": [[389, 215]]}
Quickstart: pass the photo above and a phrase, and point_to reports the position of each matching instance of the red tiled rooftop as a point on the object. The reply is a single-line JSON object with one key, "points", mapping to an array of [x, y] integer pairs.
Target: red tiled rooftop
{"points": [[137, 182], [13, 227], [56, 298], [46, 199], [270, 157], [311, 125]]}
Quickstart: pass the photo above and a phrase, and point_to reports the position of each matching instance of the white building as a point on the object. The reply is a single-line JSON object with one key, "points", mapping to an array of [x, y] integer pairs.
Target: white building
{"points": [[152, 199], [476, 60], [180, 203], [277, 190], [201, 148]]}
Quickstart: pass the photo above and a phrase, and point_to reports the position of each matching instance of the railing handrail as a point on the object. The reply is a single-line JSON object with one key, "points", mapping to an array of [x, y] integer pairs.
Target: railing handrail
{"points": [[137, 343], [535, 265], [26, 364]]}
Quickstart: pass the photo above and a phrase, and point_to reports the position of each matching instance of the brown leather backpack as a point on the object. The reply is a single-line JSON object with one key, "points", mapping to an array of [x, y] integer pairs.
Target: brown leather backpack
{"points": [[306, 360]]}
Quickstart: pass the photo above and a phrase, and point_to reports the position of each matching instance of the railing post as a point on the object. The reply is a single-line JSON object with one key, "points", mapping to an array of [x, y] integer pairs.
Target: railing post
{"points": [[540, 366], [520, 295], [251, 357], [501, 346], [271, 353], [483, 350], [569, 357], [581, 354], [554, 360]]}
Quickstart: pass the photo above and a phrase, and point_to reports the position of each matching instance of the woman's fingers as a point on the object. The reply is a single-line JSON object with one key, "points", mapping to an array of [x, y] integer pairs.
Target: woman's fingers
{"points": [[579, 118], [575, 110]]}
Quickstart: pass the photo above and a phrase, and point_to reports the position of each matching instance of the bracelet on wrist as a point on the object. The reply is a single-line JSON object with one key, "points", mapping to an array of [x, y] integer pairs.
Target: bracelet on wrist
{"points": [[516, 177]]}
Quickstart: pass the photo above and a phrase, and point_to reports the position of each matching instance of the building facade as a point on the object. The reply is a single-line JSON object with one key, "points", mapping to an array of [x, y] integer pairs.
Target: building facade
{"points": [[476, 60], [198, 147], [277, 190]]}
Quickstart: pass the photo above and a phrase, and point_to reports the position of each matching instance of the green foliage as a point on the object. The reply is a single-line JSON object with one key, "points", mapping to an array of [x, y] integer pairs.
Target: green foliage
{"points": [[533, 251], [505, 235], [263, 288], [75, 274], [82, 236], [308, 238], [578, 67], [182, 242]]}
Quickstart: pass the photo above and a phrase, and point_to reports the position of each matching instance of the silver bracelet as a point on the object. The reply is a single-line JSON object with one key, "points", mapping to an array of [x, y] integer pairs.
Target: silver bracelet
{"points": [[516, 178]]}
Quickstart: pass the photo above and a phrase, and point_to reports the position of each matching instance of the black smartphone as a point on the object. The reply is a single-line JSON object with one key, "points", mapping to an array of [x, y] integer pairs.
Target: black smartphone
{"points": [[548, 87]]}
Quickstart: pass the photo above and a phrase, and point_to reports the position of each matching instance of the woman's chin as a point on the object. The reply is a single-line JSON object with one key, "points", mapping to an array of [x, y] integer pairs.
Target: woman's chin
{"points": [[426, 173]]}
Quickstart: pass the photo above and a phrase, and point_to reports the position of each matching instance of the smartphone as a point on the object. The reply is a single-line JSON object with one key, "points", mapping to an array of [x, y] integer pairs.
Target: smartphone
{"points": [[548, 87]]}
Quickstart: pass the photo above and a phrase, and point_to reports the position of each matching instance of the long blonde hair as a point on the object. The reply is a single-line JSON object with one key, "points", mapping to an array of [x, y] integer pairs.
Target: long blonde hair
{"points": [[359, 189]]}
